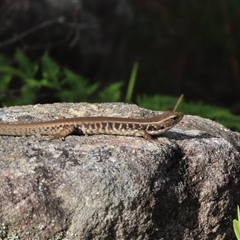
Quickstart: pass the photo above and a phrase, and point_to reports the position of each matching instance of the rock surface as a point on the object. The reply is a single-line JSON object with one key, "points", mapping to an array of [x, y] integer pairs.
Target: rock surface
{"points": [[116, 187]]}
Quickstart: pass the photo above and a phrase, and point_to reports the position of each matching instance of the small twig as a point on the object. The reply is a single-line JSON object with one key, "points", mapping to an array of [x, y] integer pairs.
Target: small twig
{"points": [[30, 31], [60, 20], [178, 101]]}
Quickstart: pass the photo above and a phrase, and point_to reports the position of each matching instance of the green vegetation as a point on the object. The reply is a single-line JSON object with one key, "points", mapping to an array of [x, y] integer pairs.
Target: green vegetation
{"points": [[236, 225], [27, 82], [221, 115], [132, 82]]}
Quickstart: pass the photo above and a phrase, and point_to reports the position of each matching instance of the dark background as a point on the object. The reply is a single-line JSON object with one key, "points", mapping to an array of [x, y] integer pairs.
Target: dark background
{"points": [[189, 47]]}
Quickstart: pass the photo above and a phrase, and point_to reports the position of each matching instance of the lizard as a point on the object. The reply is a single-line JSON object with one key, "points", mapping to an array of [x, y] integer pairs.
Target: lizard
{"points": [[60, 128]]}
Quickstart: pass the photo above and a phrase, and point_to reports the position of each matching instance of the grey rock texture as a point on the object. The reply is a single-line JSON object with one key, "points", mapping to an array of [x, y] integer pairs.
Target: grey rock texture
{"points": [[115, 187]]}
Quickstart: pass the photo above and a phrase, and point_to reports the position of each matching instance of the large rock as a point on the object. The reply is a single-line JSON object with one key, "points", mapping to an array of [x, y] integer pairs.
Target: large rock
{"points": [[116, 187]]}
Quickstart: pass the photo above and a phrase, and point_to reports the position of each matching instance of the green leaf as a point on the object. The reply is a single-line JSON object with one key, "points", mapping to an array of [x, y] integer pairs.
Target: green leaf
{"points": [[5, 80], [28, 67], [35, 84], [75, 87], [111, 93], [131, 83], [156, 102], [50, 69], [236, 227], [12, 71]]}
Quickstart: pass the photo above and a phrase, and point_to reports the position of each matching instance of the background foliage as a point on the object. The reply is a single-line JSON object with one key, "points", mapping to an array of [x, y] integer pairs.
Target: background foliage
{"points": [[36, 79], [189, 47]]}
